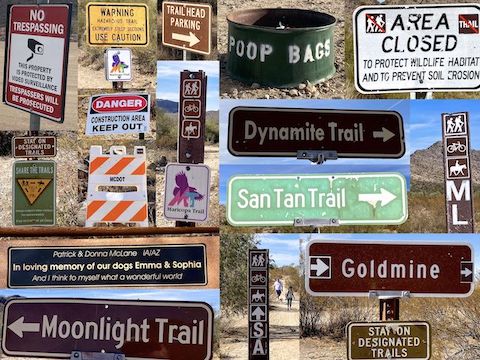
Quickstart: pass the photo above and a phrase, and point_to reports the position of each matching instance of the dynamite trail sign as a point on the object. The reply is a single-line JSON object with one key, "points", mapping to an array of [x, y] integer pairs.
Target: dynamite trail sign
{"points": [[34, 192], [358, 268], [117, 24], [389, 340], [274, 200], [410, 48], [458, 173], [256, 131], [34, 146], [125, 113], [137, 329], [95, 266], [37, 45], [187, 26]]}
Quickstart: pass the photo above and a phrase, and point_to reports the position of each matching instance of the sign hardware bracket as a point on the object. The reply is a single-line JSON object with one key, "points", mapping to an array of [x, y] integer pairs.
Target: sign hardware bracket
{"points": [[385, 295], [78, 355], [317, 156], [315, 222]]}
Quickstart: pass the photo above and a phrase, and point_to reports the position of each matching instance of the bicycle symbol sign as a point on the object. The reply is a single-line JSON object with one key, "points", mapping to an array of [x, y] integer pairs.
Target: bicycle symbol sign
{"points": [[456, 146], [192, 108], [258, 277]]}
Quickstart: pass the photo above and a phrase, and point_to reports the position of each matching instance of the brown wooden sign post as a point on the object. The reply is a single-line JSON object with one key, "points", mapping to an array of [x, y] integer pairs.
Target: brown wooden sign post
{"points": [[458, 177], [258, 319], [191, 116]]}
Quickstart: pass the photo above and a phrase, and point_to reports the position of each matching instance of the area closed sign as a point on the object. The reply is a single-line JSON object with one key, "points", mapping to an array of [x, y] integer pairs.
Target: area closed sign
{"points": [[36, 59], [410, 48]]}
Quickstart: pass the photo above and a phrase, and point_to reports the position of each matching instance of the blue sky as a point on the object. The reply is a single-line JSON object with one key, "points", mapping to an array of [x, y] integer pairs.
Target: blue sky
{"points": [[284, 248], [168, 80], [473, 239], [211, 297]]}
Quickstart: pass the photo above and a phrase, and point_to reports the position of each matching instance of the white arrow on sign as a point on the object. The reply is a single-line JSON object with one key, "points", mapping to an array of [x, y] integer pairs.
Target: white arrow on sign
{"points": [[191, 38], [320, 267], [385, 197], [385, 134], [466, 272], [258, 313], [19, 327]]}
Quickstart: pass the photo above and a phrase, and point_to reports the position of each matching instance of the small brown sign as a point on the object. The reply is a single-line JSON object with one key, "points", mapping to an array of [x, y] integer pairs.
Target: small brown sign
{"points": [[34, 146], [137, 329], [458, 181], [389, 340], [191, 139], [256, 131], [187, 26], [359, 268], [258, 321]]}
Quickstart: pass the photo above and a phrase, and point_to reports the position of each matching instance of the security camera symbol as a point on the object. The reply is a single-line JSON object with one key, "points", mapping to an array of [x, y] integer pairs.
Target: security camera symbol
{"points": [[36, 47]]}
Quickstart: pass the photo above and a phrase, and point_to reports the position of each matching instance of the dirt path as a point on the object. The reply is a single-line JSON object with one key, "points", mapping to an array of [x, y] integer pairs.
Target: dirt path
{"points": [[14, 119], [322, 349], [284, 332]]}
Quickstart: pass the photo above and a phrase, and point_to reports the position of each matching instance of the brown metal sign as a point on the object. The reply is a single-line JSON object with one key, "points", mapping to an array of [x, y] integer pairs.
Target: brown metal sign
{"points": [[34, 146], [192, 113], [187, 26], [360, 268], [137, 329], [458, 178], [255, 131], [389, 340], [258, 319]]}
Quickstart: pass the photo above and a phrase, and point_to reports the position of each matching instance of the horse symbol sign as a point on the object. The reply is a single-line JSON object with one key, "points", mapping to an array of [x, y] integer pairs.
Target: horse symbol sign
{"points": [[187, 188]]}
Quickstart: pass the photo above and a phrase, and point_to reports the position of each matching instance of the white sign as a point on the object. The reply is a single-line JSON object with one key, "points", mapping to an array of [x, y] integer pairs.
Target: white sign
{"points": [[118, 64], [417, 48], [125, 113], [187, 192]]}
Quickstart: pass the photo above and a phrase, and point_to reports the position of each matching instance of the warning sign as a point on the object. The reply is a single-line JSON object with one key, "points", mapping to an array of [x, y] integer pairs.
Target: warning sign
{"points": [[32, 188], [36, 62], [117, 24], [416, 48], [34, 192], [118, 114]]}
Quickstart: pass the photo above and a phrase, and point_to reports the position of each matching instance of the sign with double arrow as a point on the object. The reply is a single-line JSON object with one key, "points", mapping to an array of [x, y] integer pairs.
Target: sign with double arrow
{"points": [[257, 131], [350, 199], [359, 268], [187, 26]]}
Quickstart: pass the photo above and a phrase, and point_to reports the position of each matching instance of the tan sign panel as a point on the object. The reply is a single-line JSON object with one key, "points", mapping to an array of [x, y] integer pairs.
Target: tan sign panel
{"points": [[117, 24], [389, 340], [187, 26]]}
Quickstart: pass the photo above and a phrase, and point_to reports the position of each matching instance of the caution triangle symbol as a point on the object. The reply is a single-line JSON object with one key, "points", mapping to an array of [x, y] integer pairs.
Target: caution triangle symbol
{"points": [[33, 188]]}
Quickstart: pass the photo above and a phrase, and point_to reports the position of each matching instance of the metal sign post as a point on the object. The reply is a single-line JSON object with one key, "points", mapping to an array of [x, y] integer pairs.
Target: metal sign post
{"points": [[258, 302]]}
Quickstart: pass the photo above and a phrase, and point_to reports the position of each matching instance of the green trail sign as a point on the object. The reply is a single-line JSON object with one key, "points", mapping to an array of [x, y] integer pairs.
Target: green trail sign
{"points": [[349, 199], [34, 192]]}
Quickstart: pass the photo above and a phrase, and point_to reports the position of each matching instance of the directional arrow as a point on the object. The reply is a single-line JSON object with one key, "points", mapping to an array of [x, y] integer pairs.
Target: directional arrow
{"points": [[385, 134], [191, 38], [466, 272], [385, 197], [19, 327], [258, 313], [320, 267]]}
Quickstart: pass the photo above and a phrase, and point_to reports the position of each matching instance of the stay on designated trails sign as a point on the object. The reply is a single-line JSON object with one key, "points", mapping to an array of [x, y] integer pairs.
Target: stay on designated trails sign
{"points": [[411, 48], [37, 45], [34, 192], [117, 24]]}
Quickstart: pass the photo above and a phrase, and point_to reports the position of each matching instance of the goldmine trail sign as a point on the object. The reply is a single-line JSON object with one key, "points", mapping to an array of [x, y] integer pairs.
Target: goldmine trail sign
{"points": [[137, 329], [410, 48], [357, 268], [256, 131]]}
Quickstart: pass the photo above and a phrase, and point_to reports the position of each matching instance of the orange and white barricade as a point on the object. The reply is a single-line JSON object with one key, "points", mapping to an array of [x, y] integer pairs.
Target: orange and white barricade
{"points": [[118, 170]]}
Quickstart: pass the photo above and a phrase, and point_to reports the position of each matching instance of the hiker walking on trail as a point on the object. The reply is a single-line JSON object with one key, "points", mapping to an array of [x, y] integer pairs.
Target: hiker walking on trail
{"points": [[289, 298], [278, 286]]}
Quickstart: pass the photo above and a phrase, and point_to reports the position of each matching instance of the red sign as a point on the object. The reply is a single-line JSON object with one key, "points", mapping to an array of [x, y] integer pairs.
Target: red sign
{"points": [[37, 57], [357, 268], [191, 139], [137, 329], [116, 103], [458, 178]]}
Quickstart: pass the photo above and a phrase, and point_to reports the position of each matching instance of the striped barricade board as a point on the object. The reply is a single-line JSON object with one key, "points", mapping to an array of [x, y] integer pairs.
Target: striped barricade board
{"points": [[111, 179]]}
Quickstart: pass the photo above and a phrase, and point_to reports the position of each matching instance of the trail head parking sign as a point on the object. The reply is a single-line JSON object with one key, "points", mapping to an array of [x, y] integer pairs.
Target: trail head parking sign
{"points": [[36, 59], [34, 192], [412, 48]]}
